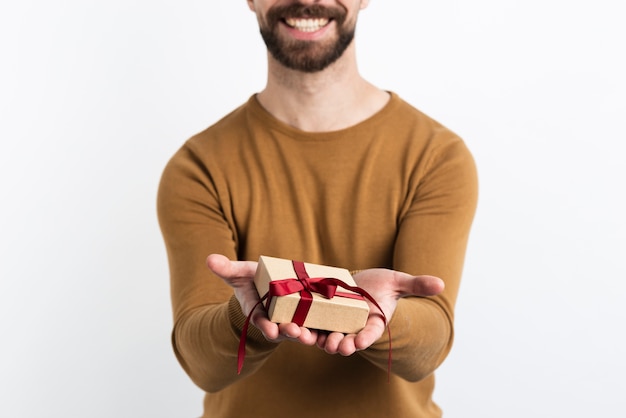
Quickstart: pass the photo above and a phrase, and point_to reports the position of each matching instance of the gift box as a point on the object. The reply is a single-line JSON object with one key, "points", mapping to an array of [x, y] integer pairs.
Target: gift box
{"points": [[311, 295]]}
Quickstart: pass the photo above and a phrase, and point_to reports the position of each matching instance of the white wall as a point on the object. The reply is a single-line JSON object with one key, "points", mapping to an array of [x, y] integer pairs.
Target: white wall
{"points": [[96, 95]]}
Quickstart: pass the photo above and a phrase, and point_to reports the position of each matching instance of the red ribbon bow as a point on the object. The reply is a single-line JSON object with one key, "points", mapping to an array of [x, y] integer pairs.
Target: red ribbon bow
{"points": [[305, 285]]}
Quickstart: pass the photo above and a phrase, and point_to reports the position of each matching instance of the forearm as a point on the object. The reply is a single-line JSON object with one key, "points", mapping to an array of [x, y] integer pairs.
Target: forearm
{"points": [[205, 341], [421, 337]]}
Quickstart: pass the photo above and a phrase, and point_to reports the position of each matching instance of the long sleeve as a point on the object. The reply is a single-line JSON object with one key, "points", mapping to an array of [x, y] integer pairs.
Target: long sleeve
{"points": [[432, 240], [207, 318]]}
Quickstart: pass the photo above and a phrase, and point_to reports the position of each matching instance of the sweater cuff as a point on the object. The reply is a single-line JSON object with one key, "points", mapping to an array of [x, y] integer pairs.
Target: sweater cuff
{"points": [[238, 319]]}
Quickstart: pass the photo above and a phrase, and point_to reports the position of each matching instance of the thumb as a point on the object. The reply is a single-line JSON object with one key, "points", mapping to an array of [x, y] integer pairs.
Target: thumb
{"points": [[419, 285], [226, 268]]}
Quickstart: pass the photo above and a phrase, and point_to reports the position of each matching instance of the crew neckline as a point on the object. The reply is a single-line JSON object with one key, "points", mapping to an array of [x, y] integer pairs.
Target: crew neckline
{"points": [[274, 123]]}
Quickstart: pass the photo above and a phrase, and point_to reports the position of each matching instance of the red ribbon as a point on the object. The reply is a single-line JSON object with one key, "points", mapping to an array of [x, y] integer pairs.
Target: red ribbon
{"points": [[306, 285]]}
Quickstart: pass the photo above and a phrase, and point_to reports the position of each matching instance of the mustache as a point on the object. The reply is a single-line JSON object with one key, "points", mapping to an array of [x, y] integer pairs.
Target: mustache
{"points": [[314, 11]]}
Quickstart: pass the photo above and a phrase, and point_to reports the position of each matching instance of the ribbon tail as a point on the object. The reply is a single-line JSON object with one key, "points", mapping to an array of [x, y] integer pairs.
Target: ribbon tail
{"points": [[241, 352], [371, 299]]}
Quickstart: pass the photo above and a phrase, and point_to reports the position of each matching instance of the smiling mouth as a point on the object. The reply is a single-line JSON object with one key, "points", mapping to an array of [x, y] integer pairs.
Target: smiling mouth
{"points": [[306, 24]]}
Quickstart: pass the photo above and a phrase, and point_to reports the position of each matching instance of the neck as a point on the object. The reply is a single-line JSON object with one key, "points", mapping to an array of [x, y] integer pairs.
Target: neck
{"points": [[332, 99]]}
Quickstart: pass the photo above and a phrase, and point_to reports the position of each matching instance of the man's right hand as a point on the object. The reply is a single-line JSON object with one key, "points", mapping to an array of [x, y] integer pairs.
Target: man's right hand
{"points": [[240, 276]]}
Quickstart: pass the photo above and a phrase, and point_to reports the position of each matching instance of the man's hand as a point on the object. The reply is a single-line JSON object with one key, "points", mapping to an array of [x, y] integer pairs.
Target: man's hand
{"points": [[240, 276], [386, 287]]}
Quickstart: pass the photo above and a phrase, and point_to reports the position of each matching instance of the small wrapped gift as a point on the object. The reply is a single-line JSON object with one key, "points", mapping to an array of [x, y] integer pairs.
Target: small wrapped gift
{"points": [[311, 295]]}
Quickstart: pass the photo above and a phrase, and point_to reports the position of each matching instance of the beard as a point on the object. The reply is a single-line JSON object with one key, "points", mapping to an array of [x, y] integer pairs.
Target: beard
{"points": [[306, 56]]}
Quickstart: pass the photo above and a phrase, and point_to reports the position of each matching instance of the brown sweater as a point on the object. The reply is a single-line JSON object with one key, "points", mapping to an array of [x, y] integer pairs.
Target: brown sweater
{"points": [[397, 190]]}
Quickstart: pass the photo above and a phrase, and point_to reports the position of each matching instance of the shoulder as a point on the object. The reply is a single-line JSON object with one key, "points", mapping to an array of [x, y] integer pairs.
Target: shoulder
{"points": [[416, 132], [229, 126], [410, 117], [431, 149], [221, 139]]}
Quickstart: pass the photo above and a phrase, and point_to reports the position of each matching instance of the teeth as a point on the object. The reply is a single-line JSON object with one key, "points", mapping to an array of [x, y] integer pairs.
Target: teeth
{"points": [[306, 25]]}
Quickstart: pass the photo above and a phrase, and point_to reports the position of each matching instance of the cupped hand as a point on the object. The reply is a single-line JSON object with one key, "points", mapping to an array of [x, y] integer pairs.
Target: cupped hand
{"points": [[240, 276], [386, 287]]}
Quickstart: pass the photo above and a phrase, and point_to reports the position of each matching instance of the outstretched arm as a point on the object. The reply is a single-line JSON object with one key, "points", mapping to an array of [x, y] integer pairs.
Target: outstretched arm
{"points": [[207, 317], [431, 239]]}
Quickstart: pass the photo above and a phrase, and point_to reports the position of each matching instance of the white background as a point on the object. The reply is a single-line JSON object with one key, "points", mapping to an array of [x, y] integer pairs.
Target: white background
{"points": [[95, 96]]}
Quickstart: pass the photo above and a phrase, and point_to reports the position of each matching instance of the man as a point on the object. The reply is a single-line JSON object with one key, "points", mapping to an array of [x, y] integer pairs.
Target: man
{"points": [[321, 166]]}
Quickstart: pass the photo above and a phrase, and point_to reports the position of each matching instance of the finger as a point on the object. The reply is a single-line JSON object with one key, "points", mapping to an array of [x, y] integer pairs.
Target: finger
{"points": [[260, 320], [321, 339], [290, 330], [226, 268], [374, 329], [297, 333], [332, 342], [307, 336], [347, 345], [418, 285], [268, 329]]}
